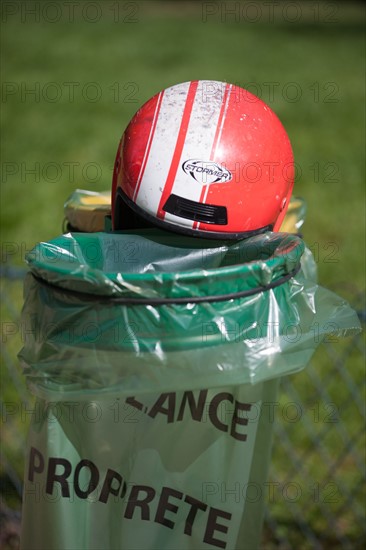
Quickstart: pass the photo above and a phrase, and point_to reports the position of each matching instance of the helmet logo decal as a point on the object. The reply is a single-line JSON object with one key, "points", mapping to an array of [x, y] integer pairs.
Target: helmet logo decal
{"points": [[206, 172]]}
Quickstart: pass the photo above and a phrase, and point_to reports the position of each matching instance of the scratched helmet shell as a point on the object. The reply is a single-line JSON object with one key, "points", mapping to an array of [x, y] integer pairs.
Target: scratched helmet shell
{"points": [[203, 158]]}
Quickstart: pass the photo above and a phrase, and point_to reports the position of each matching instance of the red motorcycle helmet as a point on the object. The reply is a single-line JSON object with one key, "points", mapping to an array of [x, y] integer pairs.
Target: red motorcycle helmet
{"points": [[203, 158]]}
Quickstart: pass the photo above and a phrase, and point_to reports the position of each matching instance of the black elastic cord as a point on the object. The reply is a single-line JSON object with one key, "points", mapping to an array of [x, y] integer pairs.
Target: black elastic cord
{"points": [[166, 301]]}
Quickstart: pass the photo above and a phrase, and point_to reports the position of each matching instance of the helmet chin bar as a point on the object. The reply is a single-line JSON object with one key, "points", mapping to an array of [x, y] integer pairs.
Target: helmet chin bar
{"points": [[126, 215], [129, 216]]}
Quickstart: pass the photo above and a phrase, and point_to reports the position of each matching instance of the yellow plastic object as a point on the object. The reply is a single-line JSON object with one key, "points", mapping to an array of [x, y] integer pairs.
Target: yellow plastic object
{"points": [[85, 211], [295, 216]]}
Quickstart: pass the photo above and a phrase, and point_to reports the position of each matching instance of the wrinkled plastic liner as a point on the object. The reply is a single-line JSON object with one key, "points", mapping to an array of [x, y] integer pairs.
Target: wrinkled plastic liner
{"points": [[161, 301], [155, 311], [155, 360]]}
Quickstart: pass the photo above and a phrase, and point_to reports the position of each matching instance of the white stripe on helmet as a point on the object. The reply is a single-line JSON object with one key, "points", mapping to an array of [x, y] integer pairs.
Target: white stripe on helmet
{"points": [[162, 148], [198, 144], [199, 141]]}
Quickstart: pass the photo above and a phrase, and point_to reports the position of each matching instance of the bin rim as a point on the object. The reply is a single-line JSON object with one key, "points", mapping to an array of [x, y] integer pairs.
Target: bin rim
{"points": [[278, 260], [105, 298]]}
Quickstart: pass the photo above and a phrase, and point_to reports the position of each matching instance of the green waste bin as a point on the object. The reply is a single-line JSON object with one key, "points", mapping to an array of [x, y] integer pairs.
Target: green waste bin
{"points": [[155, 360]]}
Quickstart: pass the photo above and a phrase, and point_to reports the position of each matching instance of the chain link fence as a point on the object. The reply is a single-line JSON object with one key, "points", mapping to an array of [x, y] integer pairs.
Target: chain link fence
{"points": [[316, 489]]}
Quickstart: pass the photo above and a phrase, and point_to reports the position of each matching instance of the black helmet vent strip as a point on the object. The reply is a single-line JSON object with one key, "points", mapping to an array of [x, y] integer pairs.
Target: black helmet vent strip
{"points": [[196, 211], [129, 216]]}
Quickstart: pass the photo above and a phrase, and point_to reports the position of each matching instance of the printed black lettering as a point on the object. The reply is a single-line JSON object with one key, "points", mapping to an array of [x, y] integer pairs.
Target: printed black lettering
{"points": [[52, 477], [124, 490], [93, 481], [143, 504], [107, 488], [196, 408], [213, 526], [162, 507], [132, 401], [239, 420], [36, 463], [168, 411], [195, 506], [212, 411], [165, 505]]}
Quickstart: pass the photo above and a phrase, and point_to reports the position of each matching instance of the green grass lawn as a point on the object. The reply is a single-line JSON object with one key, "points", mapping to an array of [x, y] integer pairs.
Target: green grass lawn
{"points": [[88, 79]]}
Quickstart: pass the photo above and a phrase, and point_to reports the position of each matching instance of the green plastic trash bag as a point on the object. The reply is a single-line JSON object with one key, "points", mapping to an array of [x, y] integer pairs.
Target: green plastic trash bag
{"points": [[155, 360]]}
